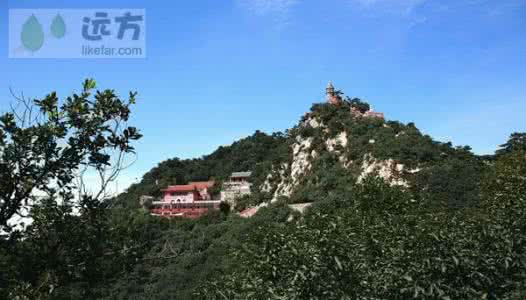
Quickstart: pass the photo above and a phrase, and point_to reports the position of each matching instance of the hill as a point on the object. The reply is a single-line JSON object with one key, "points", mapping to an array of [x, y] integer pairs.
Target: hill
{"points": [[333, 144], [330, 147], [395, 215]]}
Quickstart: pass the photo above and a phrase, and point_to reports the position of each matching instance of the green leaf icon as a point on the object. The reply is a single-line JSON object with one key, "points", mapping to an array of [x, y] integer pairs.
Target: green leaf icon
{"points": [[32, 35], [58, 27]]}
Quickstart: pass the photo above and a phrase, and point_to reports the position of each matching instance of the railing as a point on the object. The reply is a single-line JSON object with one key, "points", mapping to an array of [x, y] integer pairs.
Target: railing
{"points": [[180, 212], [196, 204], [237, 183], [185, 210]]}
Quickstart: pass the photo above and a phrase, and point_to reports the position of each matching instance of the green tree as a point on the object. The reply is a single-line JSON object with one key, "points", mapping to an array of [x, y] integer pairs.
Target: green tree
{"points": [[45, 149], [505, 187], [360, 105], [516, 142], [44, 145]]}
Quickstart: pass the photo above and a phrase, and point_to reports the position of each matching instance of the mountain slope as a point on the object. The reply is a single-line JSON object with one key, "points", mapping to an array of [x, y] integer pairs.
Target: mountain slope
{"points": [[381, 233], [332, 139], [332, 146]]}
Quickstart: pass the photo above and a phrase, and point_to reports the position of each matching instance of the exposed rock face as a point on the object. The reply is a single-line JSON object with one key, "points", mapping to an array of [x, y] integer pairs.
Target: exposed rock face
{"points": [[312, 122], [300, 207], [340, 139], [337, 145], [285, 178], [300, 164], [249, 212], [388, 170]]}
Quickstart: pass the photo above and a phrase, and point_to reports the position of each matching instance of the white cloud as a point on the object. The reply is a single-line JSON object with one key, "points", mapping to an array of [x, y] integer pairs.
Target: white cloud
{"points": [[265, 7]]}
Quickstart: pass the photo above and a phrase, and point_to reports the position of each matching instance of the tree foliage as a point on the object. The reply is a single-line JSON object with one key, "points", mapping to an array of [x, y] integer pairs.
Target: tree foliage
{"points": [[516, 142], [46, 146], [378, 243], [44, 143]]}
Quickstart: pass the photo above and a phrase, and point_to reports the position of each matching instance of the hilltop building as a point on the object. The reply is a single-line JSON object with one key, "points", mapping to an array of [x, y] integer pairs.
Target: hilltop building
{"points": [[334, 99], [368, 114], [330, 95]]}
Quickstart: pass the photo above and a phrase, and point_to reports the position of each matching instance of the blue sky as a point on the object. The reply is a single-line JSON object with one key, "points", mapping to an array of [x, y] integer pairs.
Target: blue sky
{"points": [[216, 71]]}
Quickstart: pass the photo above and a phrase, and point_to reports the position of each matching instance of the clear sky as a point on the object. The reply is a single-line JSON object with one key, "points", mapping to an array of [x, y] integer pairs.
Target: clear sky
{"points": [[217, 71]]}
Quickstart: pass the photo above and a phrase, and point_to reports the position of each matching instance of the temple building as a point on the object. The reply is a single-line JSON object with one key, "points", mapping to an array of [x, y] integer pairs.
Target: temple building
{"points": [[190, 200], [330, 95], [237, 186], [188, 193], [368, 114], [195, 199], [374, 114], [334, 99]]}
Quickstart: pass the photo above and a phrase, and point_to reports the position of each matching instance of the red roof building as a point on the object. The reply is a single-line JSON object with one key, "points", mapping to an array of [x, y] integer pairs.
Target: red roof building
{"points": [[373, 114], [190, 200], [187, 193], [368, 114], [249, 212]]}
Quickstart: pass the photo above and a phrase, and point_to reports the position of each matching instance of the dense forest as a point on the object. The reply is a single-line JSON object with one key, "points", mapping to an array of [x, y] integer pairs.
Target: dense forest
{"points": [[454, 230]]}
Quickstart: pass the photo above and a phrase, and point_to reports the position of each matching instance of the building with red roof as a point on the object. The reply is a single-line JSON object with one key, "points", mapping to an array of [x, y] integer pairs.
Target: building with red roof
{"points": [[194, 199], [187, 200], [188, 193]]}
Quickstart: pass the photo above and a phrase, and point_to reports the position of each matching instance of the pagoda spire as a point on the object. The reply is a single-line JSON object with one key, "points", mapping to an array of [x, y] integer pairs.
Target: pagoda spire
{"points": [[329, 90], [330, 94]]}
